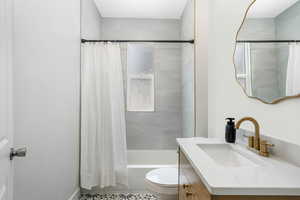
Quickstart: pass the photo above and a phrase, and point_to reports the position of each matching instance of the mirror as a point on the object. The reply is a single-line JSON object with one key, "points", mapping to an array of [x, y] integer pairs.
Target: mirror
{"points": [[267, 54]]}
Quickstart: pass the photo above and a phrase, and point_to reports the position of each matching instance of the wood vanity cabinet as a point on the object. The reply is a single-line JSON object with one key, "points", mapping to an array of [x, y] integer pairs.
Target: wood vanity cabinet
{"points": [[190, 186]]}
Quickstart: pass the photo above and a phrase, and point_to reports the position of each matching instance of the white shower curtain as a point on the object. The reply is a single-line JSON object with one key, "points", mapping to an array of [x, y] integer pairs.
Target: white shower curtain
{"points": [[293, 71], [103, 130]]}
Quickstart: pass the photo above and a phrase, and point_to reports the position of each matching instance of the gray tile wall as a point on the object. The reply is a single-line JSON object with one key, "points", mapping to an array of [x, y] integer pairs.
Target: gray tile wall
{"points": [[159, 129], [282, 54], [265, 79], [287, 23], [258, 29]]}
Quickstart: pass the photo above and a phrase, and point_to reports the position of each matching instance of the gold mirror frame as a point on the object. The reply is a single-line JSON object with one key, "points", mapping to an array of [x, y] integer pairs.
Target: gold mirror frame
{"points": [[235, 68]]}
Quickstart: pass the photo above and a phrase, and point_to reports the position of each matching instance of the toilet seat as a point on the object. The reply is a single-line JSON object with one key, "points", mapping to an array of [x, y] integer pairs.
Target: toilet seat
{"points": [[164, 177], [163, 182]]}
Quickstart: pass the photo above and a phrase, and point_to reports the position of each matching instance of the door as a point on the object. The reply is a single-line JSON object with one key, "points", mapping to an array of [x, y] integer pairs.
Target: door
{"points": [[6, 171], [6, 131]]}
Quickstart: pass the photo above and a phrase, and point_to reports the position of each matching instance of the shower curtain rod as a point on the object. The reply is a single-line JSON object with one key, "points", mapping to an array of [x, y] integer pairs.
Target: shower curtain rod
{"points": [[266, 41], [156, 41]]}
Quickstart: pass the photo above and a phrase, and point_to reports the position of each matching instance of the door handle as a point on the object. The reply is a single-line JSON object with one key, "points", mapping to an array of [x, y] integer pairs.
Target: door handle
{"points": [[17, 153]]}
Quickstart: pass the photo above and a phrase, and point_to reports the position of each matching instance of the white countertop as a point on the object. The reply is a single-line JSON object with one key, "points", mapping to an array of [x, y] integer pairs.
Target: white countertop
{"points": [[272, 176]]}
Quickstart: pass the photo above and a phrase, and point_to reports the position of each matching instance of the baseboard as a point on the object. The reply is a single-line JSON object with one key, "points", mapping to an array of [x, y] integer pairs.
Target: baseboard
{"points": [[75, 195]]}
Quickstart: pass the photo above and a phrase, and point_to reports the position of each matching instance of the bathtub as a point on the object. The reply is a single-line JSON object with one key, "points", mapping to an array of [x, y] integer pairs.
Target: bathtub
{"points": [[142, 161], [139, 163]]}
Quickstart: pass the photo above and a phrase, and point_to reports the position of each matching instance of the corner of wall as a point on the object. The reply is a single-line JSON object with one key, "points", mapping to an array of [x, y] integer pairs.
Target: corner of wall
{"points": [[75, 195], [202, 9]]}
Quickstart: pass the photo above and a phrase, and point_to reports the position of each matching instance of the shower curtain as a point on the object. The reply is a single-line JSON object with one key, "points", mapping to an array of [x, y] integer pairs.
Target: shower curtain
{"points": [[293, 70], [103, 130]]}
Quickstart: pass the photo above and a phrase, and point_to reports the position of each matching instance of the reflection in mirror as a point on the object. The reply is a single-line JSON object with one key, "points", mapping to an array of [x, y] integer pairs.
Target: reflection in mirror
{"points": [[267, 55]]}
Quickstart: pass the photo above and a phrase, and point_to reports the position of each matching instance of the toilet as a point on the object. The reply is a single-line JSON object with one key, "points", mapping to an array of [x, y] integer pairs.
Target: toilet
{"points": [[163, 182]]}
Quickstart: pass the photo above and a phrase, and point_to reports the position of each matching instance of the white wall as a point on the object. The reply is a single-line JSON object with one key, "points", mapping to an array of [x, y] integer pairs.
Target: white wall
{"points": [[46, 93], [201, 45], [187, 70], [96, 27], [90, 20], [140, 29], [225, 96]]}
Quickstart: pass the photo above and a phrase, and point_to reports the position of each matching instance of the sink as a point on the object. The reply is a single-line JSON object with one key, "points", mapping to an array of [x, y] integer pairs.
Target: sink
{"points": [[226, 155]]}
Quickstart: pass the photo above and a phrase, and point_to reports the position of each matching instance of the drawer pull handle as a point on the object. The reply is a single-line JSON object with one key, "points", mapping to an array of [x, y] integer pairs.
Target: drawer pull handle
{"points": [[185, 186], [188, 194]]}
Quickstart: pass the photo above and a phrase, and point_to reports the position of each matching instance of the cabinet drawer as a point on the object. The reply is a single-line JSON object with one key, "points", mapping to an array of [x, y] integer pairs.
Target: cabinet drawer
{"points": [[185, 193], [200, 192], [190, 185]]}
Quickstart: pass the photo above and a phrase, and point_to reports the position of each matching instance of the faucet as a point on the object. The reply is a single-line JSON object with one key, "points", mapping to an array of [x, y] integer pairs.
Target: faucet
{"points": [[255, 142]]}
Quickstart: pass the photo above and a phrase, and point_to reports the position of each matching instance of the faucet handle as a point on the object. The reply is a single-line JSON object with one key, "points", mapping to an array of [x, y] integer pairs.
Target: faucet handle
{"points": [[264, 148], [251, 141]]}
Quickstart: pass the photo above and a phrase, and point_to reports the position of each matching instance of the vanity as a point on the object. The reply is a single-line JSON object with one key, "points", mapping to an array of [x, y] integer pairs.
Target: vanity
{"points": [[210, 169], [266, 61]]}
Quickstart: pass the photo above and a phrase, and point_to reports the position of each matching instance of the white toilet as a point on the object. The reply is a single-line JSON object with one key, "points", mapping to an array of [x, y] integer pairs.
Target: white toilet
{"points": [[163, 182]]}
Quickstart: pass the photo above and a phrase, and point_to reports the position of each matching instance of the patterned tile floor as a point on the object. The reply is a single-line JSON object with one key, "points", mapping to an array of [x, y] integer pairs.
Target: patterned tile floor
{"points": [[119, 196]]}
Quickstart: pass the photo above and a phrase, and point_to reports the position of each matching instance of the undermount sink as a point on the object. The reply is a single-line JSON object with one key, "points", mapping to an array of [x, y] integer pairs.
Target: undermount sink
{"points": [[227, 156]]}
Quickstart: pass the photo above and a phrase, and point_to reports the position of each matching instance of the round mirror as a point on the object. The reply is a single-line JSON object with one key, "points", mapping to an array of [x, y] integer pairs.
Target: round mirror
{"points": [[267, 54]]}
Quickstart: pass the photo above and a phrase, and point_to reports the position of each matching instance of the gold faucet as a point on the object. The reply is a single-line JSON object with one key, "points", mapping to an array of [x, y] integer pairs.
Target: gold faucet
{"points": [[255, 142]]}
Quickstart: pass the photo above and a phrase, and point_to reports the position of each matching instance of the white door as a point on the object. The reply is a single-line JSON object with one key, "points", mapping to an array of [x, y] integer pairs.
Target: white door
{"points": [[6, 132]]}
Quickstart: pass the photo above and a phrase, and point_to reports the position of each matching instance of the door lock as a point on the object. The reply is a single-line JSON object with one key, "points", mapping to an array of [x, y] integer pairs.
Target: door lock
{"points": [[17, 153]]}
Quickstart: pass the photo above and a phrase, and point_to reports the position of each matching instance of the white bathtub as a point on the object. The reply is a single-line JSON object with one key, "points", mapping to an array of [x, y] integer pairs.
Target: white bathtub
{"points": [[139, 163]]}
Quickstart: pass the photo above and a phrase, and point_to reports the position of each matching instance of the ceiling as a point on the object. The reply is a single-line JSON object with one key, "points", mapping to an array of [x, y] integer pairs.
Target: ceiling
{"points": [[269, 8], [152, 9]]}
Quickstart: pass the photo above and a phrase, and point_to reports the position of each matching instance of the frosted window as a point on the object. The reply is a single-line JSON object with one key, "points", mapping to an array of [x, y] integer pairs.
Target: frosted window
{"points": [[140, 93], [140, 78]]}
